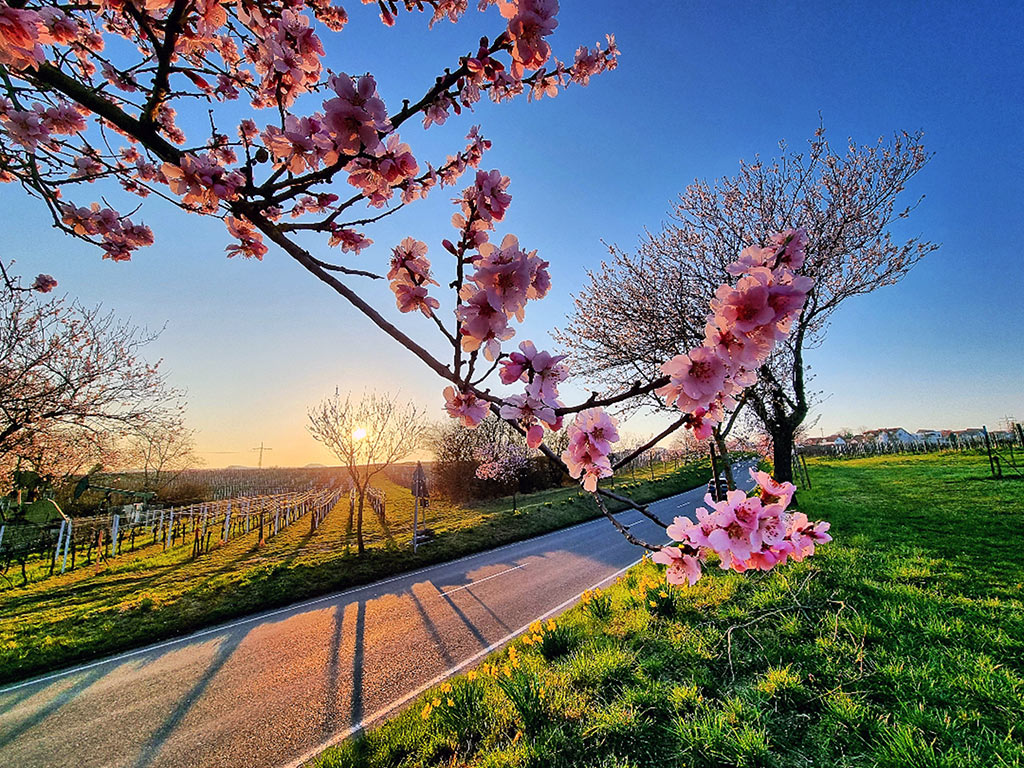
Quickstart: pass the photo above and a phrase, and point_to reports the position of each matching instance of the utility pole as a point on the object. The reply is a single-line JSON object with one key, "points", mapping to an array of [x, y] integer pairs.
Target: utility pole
{"points": [[261, 449]]}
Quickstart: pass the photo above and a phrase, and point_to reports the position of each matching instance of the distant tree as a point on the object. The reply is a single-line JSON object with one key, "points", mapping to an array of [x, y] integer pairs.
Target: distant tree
{"points": [[505, 465], [456, 450], [367, 435], [72, 380], [161, 453], [640, 309]]}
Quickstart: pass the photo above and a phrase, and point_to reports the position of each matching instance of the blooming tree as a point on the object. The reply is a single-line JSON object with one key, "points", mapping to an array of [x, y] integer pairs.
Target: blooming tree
{"points": [[92, 91], [845, 199], [73, 382], [503, 464]]}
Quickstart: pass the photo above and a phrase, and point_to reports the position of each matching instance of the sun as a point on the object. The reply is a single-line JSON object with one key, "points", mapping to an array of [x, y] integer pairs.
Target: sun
{"points": [[358, 433]]}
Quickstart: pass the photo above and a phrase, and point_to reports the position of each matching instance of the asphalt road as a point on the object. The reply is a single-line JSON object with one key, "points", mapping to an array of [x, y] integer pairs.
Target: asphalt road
{"points": [[275, 688]]}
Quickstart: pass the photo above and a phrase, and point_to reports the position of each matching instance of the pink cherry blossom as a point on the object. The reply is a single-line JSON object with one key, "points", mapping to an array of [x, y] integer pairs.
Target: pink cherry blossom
{"points": [[772, 491], [682, 568], [790, 247], [529, 22], [356, 115], [483, 325], [465, 406], [590, 437], [250, 240], [409, 297], [694, 379], [26, 127], [20, 38], [44, 284], [348, 240], [744, 307], [503, 274]]}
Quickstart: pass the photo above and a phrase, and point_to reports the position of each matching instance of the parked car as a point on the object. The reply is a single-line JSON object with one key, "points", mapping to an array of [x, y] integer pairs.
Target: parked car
{"points": [[718, 489]]}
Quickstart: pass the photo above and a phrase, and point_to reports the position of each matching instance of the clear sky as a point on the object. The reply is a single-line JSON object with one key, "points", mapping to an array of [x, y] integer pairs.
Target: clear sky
{"points": [[699, 86]]}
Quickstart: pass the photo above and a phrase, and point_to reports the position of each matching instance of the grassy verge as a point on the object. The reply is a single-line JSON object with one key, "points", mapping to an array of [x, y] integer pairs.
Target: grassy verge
{"points": [[899, 644], [150, 595]]}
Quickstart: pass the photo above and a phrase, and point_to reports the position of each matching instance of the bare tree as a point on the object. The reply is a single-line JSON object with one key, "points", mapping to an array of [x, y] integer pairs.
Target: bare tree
{"points": [[845, 200], [368, 436], [161, 452], [71, 376]]}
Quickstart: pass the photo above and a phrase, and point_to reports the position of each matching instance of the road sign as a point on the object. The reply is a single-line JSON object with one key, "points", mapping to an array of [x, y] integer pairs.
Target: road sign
{"points": [[419, 482]]}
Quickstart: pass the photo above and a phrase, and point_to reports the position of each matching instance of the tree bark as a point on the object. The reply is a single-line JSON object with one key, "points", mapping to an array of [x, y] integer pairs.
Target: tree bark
{"points": [[782, 453]]}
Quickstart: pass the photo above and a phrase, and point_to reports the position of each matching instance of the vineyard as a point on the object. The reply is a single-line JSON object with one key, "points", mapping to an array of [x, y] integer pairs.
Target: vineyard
{"points": [[139, 597], [67, 542]]}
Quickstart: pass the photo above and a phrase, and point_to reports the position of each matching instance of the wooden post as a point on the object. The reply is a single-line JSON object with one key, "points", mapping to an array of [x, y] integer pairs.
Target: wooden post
{"points": [[988, 448]]}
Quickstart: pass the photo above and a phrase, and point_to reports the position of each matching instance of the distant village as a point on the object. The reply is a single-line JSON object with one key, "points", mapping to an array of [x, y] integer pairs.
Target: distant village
{"points": [[898, 436]]}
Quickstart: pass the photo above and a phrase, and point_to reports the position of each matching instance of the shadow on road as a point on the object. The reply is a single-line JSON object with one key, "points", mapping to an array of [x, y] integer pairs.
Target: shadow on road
{"points": [[152, 747], [58, 701]]}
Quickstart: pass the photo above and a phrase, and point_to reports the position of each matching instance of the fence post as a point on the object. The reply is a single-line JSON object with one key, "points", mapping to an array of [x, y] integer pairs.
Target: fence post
{"points": [[67, 540], [60, 541], [988, 448]]}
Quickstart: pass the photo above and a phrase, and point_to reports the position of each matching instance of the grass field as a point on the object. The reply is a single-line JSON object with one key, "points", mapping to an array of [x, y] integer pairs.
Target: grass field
{"points": [[149, 595], [899, 644]]}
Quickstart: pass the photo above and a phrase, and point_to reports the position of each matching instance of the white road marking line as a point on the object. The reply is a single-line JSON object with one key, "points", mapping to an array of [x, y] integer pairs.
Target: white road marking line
{"points": [[478, 581], [362, 724]]}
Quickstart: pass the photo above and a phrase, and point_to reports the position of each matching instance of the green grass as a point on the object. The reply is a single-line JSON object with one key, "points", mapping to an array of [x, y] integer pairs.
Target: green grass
{"points": [[149, 595], [899, 644]]}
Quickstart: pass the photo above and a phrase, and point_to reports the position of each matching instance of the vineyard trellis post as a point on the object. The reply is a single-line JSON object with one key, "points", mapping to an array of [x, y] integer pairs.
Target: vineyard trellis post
{"points": [[67, 541]]}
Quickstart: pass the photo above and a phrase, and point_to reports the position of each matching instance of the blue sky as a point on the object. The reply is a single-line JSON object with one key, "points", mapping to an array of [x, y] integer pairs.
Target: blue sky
{"points": [[699, 86]]}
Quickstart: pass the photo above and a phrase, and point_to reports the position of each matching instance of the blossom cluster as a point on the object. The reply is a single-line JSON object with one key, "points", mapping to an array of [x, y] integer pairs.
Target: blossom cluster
{"points": [[535, 408], [747, 319], [201, 181], [31, 127], [409, 276], [590, 442], [504, 279], [118, 235], [746, 532]]}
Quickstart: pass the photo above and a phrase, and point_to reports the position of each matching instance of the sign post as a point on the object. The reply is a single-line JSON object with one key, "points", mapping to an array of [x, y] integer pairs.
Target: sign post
{"points": [[419, 491]]}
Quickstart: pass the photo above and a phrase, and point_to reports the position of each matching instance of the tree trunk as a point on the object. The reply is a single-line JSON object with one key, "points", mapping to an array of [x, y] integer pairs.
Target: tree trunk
{"points": [[782, 454], [359, 522], [726, 464]]}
